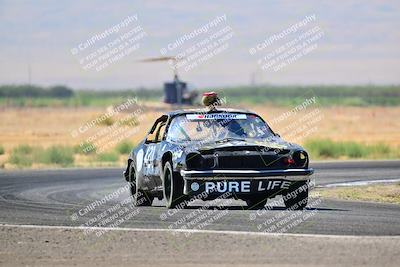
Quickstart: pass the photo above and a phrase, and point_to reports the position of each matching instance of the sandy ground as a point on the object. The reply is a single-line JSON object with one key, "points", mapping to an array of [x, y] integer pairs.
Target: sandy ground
{"points": [[55, 247], [383, 193]]}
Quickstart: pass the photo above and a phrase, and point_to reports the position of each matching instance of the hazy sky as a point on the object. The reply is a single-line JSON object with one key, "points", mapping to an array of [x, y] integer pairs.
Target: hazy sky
{"points": [[359, 45]]}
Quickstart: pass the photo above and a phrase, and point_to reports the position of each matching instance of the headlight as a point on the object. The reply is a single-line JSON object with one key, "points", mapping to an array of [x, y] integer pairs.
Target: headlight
{"points": [[301, 158]]}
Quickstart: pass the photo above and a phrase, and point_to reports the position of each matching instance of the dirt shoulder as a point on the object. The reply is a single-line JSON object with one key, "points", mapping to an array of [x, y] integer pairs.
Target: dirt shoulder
{"points": [[54, 247], [383, 193]]}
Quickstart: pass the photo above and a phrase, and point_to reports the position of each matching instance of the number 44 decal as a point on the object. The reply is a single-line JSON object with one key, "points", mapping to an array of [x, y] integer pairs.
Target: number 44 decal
{"points": [[149, 156]]}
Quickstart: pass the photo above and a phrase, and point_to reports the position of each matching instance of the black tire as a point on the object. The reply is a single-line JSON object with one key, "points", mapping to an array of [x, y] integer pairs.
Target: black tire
{"points": [[300, 192], [140, 198], [256, 203], [173, 188]]}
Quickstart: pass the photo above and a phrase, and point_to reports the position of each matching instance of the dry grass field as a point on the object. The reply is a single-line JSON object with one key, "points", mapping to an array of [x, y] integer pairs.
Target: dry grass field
{"points": [[367, 125], [45, 127]]}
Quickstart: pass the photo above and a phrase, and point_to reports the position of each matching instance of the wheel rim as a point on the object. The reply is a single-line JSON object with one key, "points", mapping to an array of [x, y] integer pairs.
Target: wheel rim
{"points": [[133, 181], [167, 185], [133, 188]]}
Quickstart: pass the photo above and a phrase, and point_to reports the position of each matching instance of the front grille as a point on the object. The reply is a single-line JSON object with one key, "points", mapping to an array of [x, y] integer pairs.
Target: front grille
{"points": [[244, 162], [250, 162], [250, 158]]}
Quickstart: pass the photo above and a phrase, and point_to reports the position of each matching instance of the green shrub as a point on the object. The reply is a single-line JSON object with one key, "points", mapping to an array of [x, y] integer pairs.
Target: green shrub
{"points": [[376, 151], [85, 148], [60, 155], [25, 155], [23, 149], [353, 150], [321, 148], [107, 121], [325, 148], [124, 147], [1, 150], [21, 156], [108, 157]]}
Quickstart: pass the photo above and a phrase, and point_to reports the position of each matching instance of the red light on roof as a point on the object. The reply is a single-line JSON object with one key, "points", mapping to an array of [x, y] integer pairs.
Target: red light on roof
{"points": [[210, 94]]}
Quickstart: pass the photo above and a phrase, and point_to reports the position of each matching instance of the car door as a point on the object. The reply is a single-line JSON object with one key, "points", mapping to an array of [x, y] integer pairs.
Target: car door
{"points": [[151, 164]]}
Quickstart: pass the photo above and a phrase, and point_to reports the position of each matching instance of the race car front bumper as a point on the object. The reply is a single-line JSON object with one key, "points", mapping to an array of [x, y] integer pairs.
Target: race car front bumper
{"points": [[241, 181], [287, 174]]}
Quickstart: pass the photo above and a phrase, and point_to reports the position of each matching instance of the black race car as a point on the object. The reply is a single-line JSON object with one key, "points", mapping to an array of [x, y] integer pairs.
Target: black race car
{"points": [[192, 154]]}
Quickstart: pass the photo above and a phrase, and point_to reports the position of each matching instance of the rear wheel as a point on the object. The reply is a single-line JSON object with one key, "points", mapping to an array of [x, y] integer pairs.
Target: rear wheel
{"points": [[297, 196], [139, 197], [173, 188], [256, 203]]}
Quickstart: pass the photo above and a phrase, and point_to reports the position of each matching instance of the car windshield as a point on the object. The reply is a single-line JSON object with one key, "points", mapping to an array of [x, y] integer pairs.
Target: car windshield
{"points": [[217, 127]]}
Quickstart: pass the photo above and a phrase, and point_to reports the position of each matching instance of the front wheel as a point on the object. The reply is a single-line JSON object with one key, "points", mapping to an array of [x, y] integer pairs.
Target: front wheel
{"points": [[173, 188], [297, 196], [139, 197]]}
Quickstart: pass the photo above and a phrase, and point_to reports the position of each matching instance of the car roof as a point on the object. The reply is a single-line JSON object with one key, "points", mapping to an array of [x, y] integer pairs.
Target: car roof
{"points": [[202, 110]]}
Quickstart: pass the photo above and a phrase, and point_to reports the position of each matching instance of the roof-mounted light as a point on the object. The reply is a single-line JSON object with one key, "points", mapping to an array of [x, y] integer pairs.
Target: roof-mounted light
{"points": [[211, 100]]}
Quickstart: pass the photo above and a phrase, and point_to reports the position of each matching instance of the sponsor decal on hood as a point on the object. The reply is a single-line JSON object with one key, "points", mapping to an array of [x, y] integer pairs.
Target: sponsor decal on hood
{"points": [[216, 116]]}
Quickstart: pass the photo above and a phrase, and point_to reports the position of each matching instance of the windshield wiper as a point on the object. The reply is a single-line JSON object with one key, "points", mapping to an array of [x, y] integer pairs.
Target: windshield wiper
{"points": [[225, 140]]}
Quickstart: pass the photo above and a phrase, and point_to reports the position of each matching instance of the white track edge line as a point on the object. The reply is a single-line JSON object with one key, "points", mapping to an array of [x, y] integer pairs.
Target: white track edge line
{"points": [[359, 183], [191, 231]]}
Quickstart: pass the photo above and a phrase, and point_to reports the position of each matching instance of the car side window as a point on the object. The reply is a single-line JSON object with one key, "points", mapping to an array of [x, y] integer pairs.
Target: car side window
{"points": [[161, 131], [154, 134]]}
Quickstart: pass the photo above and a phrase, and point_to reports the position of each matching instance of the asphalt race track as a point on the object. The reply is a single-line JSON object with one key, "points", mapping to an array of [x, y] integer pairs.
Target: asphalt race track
{"points": [[59, 198]]}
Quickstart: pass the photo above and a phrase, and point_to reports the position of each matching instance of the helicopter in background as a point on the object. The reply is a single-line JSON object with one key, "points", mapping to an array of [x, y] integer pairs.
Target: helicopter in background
{"points": [[175, 92]]}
